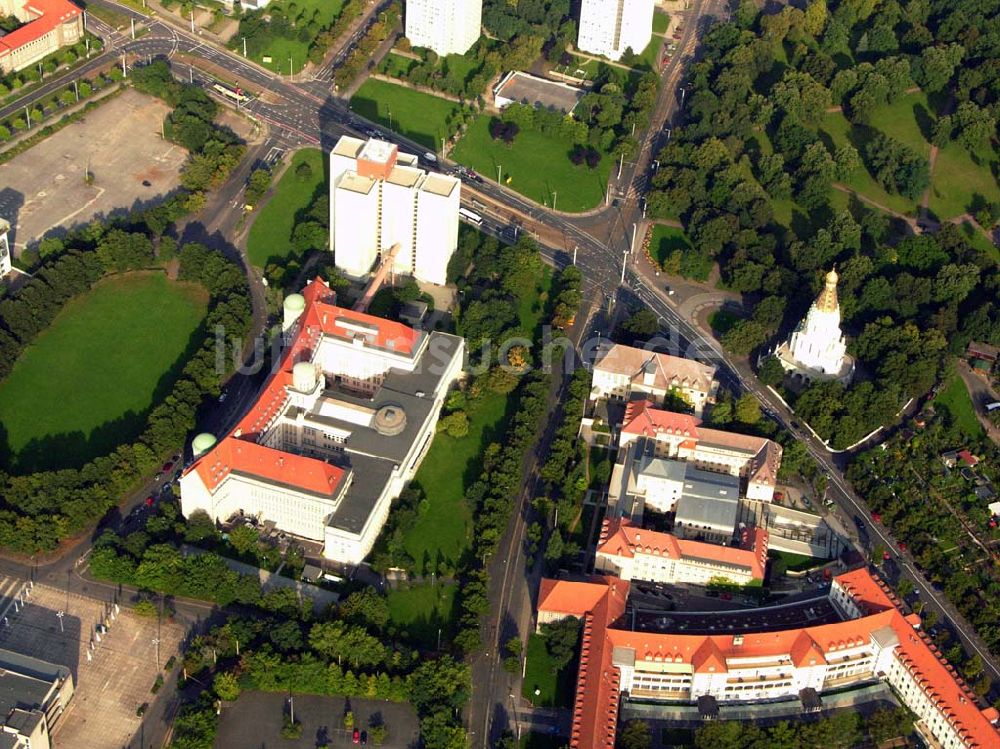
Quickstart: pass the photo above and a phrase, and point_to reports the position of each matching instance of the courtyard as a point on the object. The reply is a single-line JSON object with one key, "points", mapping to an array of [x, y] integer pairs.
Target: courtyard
{"points": [[119, 143], [117, 679]]}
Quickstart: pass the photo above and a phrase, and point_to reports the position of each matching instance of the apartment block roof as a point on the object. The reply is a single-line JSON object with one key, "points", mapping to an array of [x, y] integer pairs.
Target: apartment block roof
{"points": [[644, 419]]}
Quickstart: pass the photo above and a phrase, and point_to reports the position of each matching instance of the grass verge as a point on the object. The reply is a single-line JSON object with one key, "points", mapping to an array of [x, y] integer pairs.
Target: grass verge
{"points": [[419, 116]]}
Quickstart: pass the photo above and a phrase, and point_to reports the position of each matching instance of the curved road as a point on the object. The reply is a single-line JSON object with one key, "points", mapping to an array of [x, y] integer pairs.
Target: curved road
{"points": [[306, 113]]}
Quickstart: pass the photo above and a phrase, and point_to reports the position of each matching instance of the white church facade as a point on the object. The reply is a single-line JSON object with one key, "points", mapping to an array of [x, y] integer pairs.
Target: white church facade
{"points": [[817, 349]]}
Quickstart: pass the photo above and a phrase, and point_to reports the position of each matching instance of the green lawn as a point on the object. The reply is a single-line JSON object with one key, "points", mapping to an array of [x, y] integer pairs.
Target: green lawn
{"points": [[795, 562], [536, 165], [665, 240], [271, 233], [840, 132], [651, 55], [86, 383], [555, 689], [396, 66], [954, 399], [661, 22], [441, 532], [323, 12], [419, 116], [420, 611], [960, 178]]}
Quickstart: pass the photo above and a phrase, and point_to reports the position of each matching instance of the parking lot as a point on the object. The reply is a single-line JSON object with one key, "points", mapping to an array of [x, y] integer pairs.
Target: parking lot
{"points": [[119, 143], [254, 722], [116, 679]]}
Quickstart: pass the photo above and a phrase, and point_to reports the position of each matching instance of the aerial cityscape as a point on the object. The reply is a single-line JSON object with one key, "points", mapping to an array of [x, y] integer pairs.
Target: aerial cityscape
{"points": [[499, 374]]}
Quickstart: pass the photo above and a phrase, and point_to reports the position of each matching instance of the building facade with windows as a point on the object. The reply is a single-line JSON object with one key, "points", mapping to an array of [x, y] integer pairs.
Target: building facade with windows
{"points": [[755, 460], [632, 553], [337, 432], [33, 696], [609, 27], [874, 642], [449, 27], [47, 26], [626, 372], [382, 205]]}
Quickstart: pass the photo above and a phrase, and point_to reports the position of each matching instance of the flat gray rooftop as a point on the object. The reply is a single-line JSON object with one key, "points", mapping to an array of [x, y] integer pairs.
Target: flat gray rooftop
{"points": [[539, 92]]}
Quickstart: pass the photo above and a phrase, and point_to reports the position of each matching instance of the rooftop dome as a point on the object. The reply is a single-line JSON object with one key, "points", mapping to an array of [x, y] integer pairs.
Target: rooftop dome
{"points": [[295, 302], [390, 420], [202, 443]]}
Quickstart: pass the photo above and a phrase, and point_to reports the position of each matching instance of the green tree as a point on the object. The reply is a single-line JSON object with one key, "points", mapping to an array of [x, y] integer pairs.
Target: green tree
{"points": [[561, 638], [635, 735], [244, 539], [771, 372], [226, 686], [747, 409]]}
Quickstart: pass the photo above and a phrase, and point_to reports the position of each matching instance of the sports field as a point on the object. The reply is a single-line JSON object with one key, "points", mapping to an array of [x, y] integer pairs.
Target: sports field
{"points": [[86, 383]]}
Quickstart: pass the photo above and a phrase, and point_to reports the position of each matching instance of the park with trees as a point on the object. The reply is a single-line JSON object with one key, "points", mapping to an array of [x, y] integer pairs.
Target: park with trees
{"points": [[806, 144]]}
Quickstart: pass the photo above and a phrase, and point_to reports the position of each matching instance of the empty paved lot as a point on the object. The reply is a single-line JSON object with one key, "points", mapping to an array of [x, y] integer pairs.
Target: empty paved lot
{"points": [[44, 187], [109, 688], [254, 722]]}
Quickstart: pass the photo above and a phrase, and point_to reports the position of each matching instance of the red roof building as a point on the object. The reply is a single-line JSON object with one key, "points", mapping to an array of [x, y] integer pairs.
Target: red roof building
{"points": [[48, 25], [880, 643]]}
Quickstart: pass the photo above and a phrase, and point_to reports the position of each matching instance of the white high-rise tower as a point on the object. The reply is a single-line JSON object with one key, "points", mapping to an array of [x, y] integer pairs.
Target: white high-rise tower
{"points": [[609, 27], [817, 349], [445, 26], [381, 200]]}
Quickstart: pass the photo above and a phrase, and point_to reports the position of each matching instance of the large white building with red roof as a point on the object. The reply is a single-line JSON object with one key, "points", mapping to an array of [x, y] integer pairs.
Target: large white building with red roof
{"points": [[48, 25], [755, 460], [874, 642], [336, 433], [632, 553]]}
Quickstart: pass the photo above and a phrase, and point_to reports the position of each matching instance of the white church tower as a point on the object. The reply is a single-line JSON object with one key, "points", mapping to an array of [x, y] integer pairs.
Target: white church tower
{"points": [[817, 349]]}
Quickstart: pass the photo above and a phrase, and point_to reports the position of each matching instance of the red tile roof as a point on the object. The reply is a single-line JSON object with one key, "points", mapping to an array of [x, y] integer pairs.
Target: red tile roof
{"points": [[244, 457], [596, 708], [642, 417], [621, 538], [325, 316], [50, 14], [869, 593], [573, 598], [240, 452]]}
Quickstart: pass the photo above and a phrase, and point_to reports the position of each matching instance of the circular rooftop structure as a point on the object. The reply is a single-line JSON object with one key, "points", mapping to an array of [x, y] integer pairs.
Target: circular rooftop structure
{"points": [[202, 443], [304, 376], [295, 303], [390, 420]]}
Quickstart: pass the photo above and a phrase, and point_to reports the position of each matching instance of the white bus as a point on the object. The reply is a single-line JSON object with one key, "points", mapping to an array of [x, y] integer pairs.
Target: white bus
{"points": [[470, 216], [236, 94]]}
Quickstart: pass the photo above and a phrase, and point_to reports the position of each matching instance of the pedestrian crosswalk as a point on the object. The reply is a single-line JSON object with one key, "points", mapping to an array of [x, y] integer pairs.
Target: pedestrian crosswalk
{"points": [[13, 593]]}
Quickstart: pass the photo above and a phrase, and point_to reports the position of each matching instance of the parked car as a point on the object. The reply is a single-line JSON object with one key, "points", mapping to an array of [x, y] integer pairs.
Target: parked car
{"points": [[364, 737], [876, 517], [356, 737], [167, 466], [902, 546]]}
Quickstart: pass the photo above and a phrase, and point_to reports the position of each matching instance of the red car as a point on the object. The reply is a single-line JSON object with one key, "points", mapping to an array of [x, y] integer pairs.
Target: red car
{"points": [[886, 555], [876, 517], [726, 596], [356, 737], [149, 501], [167, 466], [902, 546]]}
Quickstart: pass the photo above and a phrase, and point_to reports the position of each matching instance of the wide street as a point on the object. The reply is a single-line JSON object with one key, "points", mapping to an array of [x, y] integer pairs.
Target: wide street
{"points": [[300, 112]]}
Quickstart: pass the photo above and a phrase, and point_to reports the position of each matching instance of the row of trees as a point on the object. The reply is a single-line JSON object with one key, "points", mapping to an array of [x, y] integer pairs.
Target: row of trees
{"points": [[58, 100], [362, 55], [16, 80], [842, 729]]}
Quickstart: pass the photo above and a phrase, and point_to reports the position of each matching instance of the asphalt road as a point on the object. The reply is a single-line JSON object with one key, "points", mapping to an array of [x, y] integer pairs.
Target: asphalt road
{"points": [[305, 112]]}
